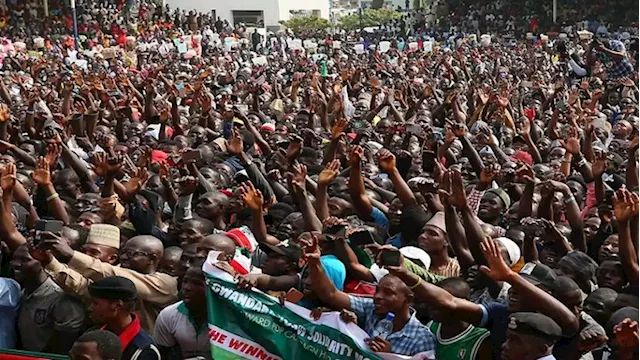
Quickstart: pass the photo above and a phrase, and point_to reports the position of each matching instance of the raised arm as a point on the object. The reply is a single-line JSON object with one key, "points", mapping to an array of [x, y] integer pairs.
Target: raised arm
{"points": [[327, 175], [543, 301], [361, 202], [387, 163], [625, 207], [323, 287]]}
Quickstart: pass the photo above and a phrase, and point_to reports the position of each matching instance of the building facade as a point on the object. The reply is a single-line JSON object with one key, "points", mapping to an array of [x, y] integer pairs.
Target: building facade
{"points": [[258, 13]]}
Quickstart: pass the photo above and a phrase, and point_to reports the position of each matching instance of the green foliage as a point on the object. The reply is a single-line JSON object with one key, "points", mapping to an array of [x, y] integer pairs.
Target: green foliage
{"points": [[370, 17], [306, 24]]}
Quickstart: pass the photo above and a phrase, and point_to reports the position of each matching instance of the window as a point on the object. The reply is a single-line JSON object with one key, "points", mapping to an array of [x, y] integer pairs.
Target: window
{"points": [[249, 18]]}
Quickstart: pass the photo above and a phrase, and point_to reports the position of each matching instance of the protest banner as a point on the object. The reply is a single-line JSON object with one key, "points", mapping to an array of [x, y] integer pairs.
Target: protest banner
{"points": [[249, 324]]}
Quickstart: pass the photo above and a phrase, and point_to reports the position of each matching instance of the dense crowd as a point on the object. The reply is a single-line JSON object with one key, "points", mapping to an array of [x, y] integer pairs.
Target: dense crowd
{"points": [[448, 191]]}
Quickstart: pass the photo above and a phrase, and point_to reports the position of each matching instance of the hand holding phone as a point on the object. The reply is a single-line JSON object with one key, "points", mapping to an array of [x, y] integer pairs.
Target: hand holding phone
{"points": [[390, 257]]}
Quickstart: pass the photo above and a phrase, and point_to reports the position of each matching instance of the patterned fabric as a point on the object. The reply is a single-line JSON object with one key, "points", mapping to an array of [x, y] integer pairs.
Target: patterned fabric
{"points": [[473, 200], [414, 337], [616, 69], [451, 270]]}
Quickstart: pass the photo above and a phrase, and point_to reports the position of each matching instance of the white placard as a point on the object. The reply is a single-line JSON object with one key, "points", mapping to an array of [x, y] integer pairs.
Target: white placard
{"points": [[359, 48], [384, 46]]}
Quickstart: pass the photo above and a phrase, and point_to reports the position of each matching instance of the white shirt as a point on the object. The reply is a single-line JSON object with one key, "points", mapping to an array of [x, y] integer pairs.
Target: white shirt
{"points": [[174, 327], [548, 357]]}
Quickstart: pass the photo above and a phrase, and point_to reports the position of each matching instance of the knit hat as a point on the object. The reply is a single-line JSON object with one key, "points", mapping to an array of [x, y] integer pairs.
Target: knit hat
{"points": [[502, 195]]}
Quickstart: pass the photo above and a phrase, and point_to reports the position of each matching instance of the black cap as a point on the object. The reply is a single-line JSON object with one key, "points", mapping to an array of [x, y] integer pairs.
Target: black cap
{"points": [[539, 274], [114, 288], [535, 324], [288, 249]]}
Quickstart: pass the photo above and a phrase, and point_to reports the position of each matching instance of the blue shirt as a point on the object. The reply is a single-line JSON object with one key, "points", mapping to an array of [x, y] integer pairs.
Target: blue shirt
{"points": [[412, 339], [495, 318], [380, 219], [9, 302]]}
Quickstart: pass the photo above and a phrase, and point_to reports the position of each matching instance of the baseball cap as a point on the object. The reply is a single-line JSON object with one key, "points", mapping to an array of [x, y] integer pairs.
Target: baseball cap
{"points": [[538, 274], [286, 248], [535, 324]]}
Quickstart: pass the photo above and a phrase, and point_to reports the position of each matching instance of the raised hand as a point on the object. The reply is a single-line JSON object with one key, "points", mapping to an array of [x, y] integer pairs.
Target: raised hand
{"points": [[5, 113], [41, 174], [489, 173], [386, 160], [298, 177], [355, 155], [8, 179], [187, 185], [53, 153], [294, 148], [252, 197], [106, 165], [572, 144], [625, 205], [458, 197], [235, 143], [626, 333], [330, 172], [338, 128], [498, 270], [599, 164], [139, 177]]}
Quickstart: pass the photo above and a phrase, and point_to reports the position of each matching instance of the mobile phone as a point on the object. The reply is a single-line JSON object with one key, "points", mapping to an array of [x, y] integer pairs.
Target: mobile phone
{"points": [[390, 258], [428, 161], [294, 296], [52, 226], [241, 107], [527, 84], [193, 155], [362, 237], [337, 230]]}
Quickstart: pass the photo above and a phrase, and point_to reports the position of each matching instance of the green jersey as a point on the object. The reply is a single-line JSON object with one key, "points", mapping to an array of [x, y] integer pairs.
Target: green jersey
{"points": [[464, 346]]}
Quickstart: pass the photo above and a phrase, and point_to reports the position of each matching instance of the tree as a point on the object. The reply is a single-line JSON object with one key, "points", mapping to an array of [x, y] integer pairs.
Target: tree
{"points": [[306, 24], [370, 17]]}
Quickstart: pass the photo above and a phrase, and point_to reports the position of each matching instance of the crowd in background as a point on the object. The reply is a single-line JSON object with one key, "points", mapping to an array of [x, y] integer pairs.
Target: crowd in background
{"points": [[481, 195]]}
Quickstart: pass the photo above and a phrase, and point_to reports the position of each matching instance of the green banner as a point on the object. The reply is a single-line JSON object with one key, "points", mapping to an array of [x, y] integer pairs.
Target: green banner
{"points": [[248, 324]]}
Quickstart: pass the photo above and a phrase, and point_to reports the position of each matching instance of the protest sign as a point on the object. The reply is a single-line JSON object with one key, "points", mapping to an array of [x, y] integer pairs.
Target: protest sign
{"points": [[248, 324]]}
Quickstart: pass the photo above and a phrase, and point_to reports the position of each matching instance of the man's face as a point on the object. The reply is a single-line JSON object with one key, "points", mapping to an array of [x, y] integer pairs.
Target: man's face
{"points": [[591, 227], [87, 219], [193, 289], [610, 275], [389, 297], [275, 264], [85, 351], [490, 207], [189, 233], [596, 306], [106, 254], [134, 257], [101, 310], [189, 254], [87, 203], [609, 249], [519, 346], [208, 206], [24, 266]]}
